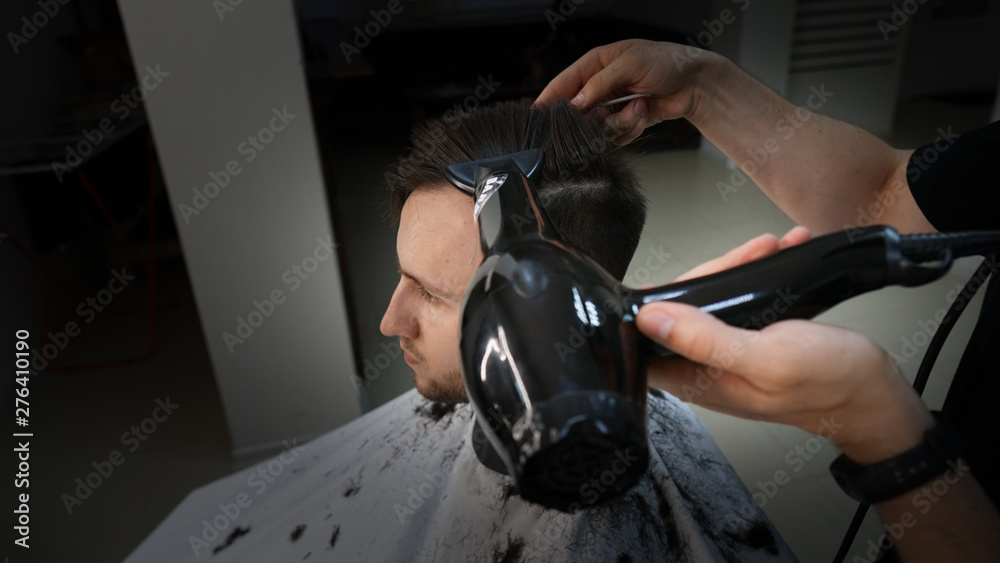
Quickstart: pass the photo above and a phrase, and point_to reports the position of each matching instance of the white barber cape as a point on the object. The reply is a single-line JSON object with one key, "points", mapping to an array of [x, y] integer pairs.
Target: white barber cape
{"points": [[403, 483]]}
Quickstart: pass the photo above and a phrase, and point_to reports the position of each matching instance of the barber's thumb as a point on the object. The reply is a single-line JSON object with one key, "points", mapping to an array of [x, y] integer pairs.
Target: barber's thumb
{"points": [[661, 322], [655, 323], [600, 87], [688, 330]]}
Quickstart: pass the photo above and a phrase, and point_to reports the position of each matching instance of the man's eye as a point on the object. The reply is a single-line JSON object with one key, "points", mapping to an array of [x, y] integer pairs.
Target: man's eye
{"points": [[426, 296]]}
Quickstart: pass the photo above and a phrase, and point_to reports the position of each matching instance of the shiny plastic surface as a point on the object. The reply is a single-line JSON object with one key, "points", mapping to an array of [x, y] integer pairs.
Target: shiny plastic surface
{"points": [[796, 283], [547, 362], [552, 361]]}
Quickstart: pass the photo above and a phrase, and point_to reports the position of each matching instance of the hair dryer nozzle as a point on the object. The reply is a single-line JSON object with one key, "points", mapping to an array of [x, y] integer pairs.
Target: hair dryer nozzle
{"points": [[464, 175], [595, 451]]}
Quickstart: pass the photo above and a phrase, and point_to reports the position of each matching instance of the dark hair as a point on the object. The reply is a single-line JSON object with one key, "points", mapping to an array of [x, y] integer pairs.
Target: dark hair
{"points": [[587, 185]]}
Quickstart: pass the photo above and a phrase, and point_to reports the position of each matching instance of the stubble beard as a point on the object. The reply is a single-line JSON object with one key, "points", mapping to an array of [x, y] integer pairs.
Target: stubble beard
{"points": [[445, 389]]}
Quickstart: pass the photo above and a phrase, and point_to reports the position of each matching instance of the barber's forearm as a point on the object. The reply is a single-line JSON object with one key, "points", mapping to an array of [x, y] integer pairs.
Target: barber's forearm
{"points": [[947, 519], [824, 173]]}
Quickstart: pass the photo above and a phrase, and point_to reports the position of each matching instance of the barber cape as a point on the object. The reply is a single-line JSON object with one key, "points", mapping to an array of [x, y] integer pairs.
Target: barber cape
{"points": [[403, 483]]}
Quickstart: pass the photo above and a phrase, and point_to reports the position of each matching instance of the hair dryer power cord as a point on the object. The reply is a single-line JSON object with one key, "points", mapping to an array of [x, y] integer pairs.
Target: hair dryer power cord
{"points": [[929, 246]]}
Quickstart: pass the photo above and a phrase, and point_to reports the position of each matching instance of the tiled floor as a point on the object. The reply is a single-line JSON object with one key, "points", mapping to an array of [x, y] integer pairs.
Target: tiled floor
{"points": [[688, 218]]}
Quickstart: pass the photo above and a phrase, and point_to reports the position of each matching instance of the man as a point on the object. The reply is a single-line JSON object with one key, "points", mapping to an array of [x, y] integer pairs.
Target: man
{"points": [[588, 189], [403, 483], [796, 371]]}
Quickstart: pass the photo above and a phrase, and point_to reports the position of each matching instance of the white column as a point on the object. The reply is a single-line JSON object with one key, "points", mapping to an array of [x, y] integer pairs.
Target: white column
{"points": [[228, 107]]}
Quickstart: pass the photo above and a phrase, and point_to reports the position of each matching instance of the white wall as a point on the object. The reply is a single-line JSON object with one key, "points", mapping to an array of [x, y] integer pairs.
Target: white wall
{"points": [[226, 77], [758, 38], [795, 47]]}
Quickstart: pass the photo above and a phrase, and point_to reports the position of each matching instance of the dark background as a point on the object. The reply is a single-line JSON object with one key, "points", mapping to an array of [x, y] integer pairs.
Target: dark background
{"points": [[417, 69]]}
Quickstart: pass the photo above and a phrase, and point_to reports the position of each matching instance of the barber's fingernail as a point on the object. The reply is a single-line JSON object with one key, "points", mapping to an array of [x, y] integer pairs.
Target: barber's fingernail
{"points": [[663, 322], [640, 107], [578, 100]]}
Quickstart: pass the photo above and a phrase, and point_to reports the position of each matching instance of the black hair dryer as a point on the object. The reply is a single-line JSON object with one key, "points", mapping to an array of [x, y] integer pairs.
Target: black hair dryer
{"points": [[552, 361]]}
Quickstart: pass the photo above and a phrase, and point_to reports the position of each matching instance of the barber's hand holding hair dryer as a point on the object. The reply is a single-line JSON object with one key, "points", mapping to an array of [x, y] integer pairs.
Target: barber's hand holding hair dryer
{"points": [[795, 371]]}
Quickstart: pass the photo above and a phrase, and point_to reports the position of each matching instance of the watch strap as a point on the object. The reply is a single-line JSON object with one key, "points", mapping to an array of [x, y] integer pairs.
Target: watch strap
{"points": [[942, 446]]}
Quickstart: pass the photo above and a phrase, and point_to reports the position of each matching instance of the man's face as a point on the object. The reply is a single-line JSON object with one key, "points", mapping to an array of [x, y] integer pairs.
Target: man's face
{"points": [[438, 250]]}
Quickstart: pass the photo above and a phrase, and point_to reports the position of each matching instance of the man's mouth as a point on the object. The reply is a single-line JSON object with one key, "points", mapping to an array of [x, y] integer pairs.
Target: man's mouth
{"points": [[409, 357]]}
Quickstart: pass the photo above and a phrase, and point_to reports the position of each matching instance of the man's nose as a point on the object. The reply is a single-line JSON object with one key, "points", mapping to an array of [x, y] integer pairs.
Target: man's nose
{"points": [[397, 320]]}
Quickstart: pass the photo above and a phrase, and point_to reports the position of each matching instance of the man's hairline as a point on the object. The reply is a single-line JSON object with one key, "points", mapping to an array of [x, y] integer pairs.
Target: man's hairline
{"points": [[444, 184], [422, 187], [449, 294]]}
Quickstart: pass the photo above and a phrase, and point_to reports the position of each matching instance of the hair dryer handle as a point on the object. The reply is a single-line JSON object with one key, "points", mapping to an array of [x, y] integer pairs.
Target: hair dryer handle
{"points": [[799, 282]]}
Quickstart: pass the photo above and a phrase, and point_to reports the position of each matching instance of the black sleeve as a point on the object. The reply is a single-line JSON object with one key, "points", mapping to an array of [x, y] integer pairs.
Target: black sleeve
{"points": [[956, 180]]}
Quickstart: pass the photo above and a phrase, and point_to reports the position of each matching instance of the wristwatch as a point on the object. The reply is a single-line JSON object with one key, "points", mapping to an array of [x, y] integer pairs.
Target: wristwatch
{"points": [[941, 448]]}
